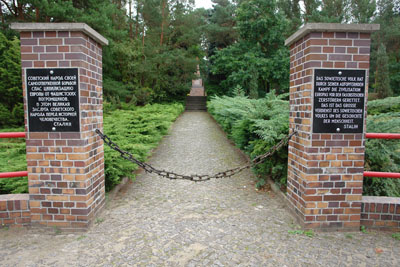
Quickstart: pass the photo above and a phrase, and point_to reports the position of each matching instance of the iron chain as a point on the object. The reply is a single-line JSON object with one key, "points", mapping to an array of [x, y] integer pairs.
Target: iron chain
{"points": [[196, 178]]}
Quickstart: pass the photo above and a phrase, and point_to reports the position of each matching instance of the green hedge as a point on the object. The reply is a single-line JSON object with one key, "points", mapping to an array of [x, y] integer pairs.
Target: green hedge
{"points": [[136, 129], [13, 158], [255, 125], [383, 155], [389, 104]]}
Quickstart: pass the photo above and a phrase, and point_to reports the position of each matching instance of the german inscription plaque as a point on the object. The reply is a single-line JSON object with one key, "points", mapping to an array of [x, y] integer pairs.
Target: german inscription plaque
{"points": [[53, 99], [338, 101]]}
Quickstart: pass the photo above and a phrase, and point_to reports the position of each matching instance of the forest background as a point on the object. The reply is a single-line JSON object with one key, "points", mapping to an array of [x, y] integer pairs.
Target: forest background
{"points": [[155, 46]]}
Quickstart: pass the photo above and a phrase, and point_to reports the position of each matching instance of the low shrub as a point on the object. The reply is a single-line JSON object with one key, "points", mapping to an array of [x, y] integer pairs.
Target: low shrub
{"points": [[136, 129], [389, 104], [255, 125], [13, 158], [382, 155]]}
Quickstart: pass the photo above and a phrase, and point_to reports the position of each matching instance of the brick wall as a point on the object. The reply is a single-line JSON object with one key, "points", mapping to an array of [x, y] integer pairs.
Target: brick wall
{"points": [[380, 213], [66, 169], [14, 210], [325, 171]]}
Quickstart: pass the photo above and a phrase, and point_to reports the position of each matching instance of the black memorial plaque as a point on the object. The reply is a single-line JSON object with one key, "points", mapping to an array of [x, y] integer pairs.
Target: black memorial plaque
{"points": [[53, 100], [338, 101]]}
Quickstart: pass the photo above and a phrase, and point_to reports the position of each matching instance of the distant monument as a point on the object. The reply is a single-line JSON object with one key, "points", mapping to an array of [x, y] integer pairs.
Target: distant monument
{"points": [[196, 100], [197, 85]]}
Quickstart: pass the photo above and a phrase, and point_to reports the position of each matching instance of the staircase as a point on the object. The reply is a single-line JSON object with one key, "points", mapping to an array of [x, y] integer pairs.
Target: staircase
{"points": [[197, 99], [196, 103]]}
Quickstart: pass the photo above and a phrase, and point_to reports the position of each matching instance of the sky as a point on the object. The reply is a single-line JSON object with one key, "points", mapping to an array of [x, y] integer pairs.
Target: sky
{"points": [[203, 3]]}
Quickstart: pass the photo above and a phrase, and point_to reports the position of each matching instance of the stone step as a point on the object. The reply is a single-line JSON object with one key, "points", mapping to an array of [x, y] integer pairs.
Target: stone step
{"points": [[204, 98], [196, 107], [198, 103]]}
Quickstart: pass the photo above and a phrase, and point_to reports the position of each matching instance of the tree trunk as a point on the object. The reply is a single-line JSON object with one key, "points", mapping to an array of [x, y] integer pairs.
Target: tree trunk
{"points": [[21, 12], [37, 14], [130, 20], [2, 17], [137, 20], [162, 21], [143, 37], [14, 7], [10, 8]]}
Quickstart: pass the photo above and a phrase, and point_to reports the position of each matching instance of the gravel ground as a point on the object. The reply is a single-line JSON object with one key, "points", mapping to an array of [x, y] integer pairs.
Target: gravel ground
{"points": [[224, 222]]}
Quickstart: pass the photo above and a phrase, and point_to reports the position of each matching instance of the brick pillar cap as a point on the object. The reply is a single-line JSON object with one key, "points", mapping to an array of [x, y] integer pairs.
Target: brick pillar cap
{"points": [[383, 200], [82, 27], [15, 197], [330, 27]]}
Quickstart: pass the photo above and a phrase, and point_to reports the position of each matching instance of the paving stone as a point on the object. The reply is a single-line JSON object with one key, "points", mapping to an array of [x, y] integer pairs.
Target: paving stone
{"points": [[224, 222]]}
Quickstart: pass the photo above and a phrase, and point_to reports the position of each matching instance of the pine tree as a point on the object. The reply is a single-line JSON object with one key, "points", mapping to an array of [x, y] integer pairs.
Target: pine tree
{"points": [[363, 11], [292, 11], [311, 10], [382, 83], [220, 30], [388, 16], [11, 107], [335, 11]]}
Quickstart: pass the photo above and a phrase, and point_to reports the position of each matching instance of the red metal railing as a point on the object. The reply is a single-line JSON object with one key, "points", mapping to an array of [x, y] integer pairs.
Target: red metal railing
{"points": [[13, 135], [366, 174], [13, 174], [382, 174], [382, 135], [394, 175]]}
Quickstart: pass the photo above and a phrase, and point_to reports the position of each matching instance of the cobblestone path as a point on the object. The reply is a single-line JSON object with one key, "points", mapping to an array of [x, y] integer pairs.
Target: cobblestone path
{"points": [[225, 222]]}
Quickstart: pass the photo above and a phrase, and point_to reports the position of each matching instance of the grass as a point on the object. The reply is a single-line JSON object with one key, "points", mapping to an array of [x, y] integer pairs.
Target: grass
{"points": [[99, 220], [81, 237], [349, 236], [396, 236], [135, 129], [298, 231], [363, 229], [308, 233], [57, 230]]}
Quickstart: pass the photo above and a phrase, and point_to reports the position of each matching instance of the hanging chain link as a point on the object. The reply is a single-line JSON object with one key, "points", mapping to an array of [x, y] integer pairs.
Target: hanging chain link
{"points": [[194, 177]]}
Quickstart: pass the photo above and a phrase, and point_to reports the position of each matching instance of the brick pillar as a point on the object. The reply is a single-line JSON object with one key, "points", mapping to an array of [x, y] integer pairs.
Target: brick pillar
{"points": [[64, 155], [328, 70]]}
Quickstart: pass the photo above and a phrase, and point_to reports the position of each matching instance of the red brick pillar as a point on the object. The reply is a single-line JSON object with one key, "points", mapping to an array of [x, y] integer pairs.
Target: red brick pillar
{"points": [[328, 92], [62, 88]]}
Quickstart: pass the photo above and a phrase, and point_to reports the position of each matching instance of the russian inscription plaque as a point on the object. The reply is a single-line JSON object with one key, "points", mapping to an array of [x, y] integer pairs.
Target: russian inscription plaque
{"points": [[338, 101], [53, 100]]}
